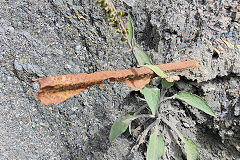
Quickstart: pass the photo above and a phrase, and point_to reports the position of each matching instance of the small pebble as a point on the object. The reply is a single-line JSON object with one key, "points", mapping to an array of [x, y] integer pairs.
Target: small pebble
{"points": [[10, 29], [9, 78], [230, 133], [36, 86], [186, 125], [70, 112], [17, 66], [67, 66], [85, 103], [111, 53], [237, 110], [60, 52], [45, 59], [77, 48]]}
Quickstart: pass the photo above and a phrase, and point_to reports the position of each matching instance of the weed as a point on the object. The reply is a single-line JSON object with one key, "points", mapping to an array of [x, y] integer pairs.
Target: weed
{"points": [[154, 97]]}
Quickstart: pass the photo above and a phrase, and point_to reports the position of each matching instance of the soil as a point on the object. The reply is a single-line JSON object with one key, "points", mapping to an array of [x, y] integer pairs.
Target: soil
{"points": [[42, 38]]}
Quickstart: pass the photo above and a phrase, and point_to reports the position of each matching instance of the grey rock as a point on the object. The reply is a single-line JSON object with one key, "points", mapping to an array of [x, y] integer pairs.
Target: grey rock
{"points": [[237, 109], [2, 31], [31, 68], [17, 65], [45, 59], [230, 133], [78, 47], [67, 66], [9, 78], [186, 125], [36, 86], [10, 29], [43, 39], [60, 52], [129, 2]]}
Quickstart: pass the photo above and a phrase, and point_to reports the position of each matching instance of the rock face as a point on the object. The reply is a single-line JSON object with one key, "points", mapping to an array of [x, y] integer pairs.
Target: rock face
{"points": [[46, 38]]}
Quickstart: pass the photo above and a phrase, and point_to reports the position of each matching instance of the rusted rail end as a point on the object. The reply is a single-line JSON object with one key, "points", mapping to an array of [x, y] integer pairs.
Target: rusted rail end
{"points": [[57, 89]]}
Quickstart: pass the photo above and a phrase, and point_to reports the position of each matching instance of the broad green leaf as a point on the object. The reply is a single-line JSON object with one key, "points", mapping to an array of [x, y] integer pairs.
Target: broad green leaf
{"points": [[120, 126], [152, 96], [190, 149], [157, 70], [194, 101], [155, 147], [130, 30], [166, 84], [141, 56]]}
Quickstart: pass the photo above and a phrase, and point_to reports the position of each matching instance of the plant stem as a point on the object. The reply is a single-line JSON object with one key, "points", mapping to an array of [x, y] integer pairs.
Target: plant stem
{"points": [[165, 99], [163, 92], [142, 116], [141, 138], [139, 127], [123, 28], [140, 109], [173, 128]]}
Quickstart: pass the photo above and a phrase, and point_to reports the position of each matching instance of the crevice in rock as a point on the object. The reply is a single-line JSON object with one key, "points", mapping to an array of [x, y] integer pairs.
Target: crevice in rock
{"points": [[150, 35]]}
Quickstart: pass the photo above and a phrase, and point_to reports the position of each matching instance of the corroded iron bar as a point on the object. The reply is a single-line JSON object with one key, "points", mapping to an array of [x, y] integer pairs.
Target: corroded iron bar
{"points": [[56, 89]]}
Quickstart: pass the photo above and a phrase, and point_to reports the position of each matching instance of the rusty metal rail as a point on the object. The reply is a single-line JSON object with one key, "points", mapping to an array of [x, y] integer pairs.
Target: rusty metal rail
{"points": [[56, 89]]}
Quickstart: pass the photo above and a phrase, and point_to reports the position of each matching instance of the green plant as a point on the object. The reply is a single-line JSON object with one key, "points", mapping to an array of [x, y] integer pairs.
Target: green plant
{"points": [[154, 97]]}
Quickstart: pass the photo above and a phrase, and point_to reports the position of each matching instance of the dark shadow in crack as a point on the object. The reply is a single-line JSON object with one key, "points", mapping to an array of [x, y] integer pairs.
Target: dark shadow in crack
{"points": [[150, 36], [210, 139]]}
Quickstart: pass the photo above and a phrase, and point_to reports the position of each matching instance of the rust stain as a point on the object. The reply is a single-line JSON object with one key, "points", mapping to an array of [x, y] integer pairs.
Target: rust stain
{"points": [[57, 89], [101, 84], [137, 84]]}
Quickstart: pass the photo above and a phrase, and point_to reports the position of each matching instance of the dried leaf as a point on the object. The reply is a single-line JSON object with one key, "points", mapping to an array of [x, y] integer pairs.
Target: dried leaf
{"points": [[59, 88]]}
